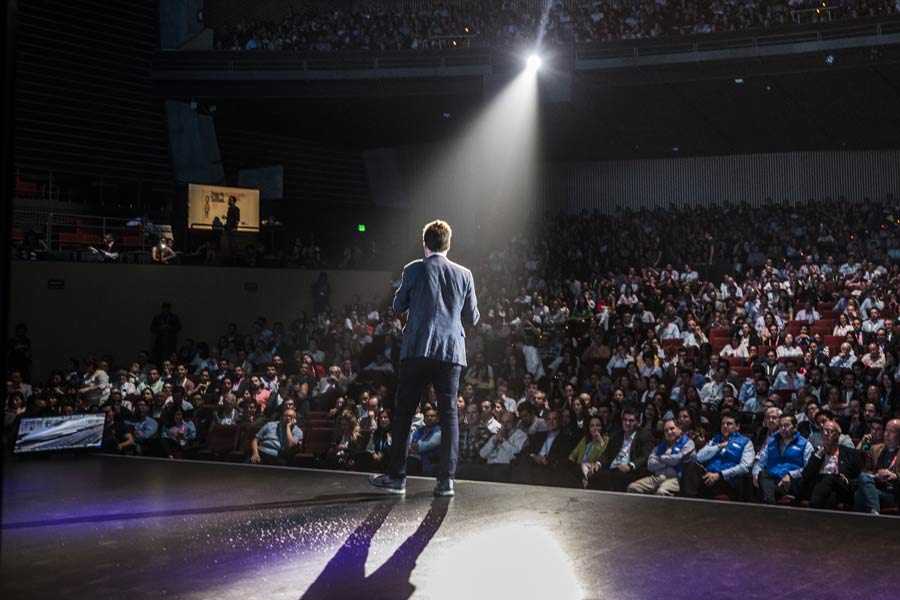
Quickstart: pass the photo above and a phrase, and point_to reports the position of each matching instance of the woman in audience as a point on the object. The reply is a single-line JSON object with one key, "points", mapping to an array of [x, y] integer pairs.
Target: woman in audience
{"points": [[348, 442], [649, 419], [379, 446], [579, 413], [177, 434], [690, 424], [588, 450], [842, 327]]}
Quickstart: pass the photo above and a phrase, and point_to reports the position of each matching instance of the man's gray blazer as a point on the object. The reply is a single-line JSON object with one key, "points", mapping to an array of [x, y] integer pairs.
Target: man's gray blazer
{"points": [[440, 297]]}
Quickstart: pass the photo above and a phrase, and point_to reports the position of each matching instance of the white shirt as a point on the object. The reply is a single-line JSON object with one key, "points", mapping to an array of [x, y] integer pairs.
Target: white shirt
{"points": [[533, 362]]}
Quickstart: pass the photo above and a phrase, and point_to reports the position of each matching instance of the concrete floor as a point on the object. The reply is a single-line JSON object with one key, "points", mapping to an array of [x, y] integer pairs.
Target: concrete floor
{"points": [[108, 527]]}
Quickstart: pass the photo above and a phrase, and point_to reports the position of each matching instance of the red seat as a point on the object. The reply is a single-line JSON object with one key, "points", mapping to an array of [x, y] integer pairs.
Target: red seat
{"points": [[794, 326], [743, 372], [834, 342], [221, 440], [785, 394], [318, 440], [719, 332], [718, 343], [672, 343], [618, 373]]}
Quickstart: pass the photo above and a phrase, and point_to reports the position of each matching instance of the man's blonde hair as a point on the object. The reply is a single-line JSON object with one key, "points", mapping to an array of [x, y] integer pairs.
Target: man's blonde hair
{"points": [[436, 236]]}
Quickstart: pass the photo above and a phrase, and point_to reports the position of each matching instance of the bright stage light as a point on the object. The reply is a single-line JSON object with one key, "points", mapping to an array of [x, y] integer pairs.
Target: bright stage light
{"points": [[533, 63]]}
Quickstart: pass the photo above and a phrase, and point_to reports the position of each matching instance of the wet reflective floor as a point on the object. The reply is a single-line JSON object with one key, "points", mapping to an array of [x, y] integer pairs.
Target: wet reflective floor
{"points": [[108, 527]]}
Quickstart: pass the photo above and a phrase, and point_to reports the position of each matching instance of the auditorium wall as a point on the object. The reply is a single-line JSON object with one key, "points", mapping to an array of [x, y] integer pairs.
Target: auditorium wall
{"points": [[77, 309], [570, 188], [701, 181]]}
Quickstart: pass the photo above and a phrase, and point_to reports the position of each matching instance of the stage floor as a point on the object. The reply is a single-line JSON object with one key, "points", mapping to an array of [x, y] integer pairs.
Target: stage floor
{"points": [[107, 527]]}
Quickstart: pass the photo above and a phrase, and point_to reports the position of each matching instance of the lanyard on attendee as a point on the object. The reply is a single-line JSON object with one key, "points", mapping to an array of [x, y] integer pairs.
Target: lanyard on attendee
{"points": [[825, 463], [587, 452], [890, 467]]}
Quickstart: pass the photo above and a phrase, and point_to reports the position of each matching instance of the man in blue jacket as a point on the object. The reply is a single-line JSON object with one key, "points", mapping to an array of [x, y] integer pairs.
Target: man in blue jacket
{"points": [[721, 464], [666, 463], [779, 467], [440, 297]]}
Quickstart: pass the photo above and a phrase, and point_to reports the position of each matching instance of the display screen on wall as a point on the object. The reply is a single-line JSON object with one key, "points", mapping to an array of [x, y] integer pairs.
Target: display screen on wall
{"points": [[208, 206], [60, 433]]}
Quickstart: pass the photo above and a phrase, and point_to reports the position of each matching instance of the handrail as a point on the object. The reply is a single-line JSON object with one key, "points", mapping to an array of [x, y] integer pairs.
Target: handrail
{"points": [[272, 60], [85, 225]]}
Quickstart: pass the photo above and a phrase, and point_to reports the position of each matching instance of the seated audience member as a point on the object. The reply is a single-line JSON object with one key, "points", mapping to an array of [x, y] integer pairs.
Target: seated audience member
{"points": [[379, 445], [348, 442], [691, 424], [277, 441], [874, 436], [547, 455], [816, 437], [226, 412], [249, 414], [589, 449], [769, 428], [528, 421], [625, 458], [781, 461], [473, 434], [117, 434], [721, 464], [424, 443], [380, 364], [145, 427], [826, 478], [177, 434], [878, 484], [666, 463], [503, 447], [738, 348], [789, 378]]}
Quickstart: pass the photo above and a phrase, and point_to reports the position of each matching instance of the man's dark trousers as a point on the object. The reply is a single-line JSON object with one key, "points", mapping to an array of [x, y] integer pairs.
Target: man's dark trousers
{"points": [[415, 375]]}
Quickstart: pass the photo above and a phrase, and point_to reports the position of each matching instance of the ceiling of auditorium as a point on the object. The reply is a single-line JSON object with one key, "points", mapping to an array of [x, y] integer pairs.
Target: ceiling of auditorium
{"points": [[697, 109]]}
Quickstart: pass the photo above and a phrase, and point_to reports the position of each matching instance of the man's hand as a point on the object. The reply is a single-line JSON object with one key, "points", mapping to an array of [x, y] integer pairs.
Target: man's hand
{"points": [[414, 447], [255, 459], [785, 482], [756, 481], [541, 460], [623, 468], [711, 478], [885, 475]]}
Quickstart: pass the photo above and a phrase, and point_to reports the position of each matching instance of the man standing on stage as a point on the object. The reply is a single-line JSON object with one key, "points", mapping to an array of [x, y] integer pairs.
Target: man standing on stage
{"points": [[440, 297]]}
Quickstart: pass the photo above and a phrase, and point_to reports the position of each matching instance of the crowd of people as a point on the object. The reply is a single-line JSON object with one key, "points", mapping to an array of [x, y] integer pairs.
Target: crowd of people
{"points": [[517, 22], [609, 356]]}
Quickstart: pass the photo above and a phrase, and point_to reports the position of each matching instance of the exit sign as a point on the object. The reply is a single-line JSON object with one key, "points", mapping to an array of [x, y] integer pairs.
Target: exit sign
{"points": [[361, 227]]}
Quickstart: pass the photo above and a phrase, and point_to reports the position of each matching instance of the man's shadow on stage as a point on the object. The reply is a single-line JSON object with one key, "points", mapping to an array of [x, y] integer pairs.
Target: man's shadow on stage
{"points": [[344, 576]]}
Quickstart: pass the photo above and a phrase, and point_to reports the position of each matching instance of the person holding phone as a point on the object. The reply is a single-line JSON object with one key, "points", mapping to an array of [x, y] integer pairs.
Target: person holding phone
{"points": [[277, 441]]}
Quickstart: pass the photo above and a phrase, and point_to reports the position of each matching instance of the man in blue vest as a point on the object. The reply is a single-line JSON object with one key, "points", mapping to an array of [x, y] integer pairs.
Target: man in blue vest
{"points": [[666, 463], [424, 444], [781, 461], [721, 464]]}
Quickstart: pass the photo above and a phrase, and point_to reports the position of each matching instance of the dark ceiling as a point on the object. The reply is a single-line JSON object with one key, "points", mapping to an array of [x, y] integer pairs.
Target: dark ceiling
{"points": [[784, 104]]}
